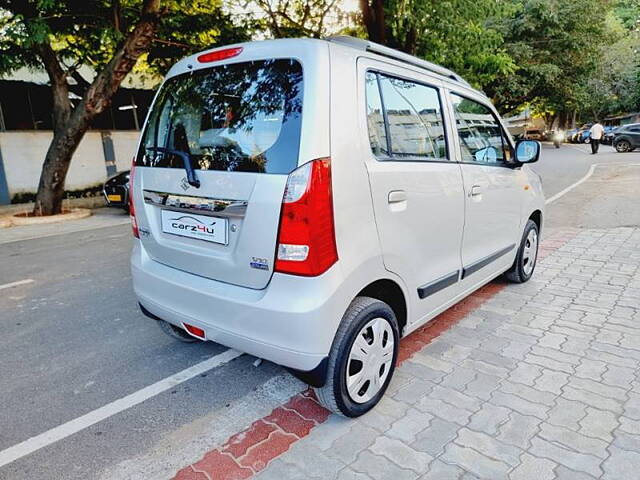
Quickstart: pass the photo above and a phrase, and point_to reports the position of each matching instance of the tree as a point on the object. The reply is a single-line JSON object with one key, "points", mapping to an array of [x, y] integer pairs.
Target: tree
{"points": [[112, 36], [613, 87], [460, 34], [463, 35], [296, 18], [556, 46]]}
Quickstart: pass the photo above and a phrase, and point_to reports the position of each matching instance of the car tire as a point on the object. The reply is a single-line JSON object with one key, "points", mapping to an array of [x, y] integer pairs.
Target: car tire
{"points": [[371, 380], [176, 333], [525, 263], [623, 146]]}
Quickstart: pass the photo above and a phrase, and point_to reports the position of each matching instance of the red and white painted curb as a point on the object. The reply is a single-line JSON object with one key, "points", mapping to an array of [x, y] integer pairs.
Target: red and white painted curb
{"points": [[250, 451]]}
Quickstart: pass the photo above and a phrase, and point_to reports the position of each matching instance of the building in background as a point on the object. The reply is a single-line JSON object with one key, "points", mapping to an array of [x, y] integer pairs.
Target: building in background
{"points": [[26, 130], [624, 119], [522, 122]]}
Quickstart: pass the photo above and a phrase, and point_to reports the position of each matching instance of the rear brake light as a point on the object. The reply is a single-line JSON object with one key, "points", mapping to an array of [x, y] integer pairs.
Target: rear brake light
{"points": [[132, 210], [195, 331], [306, 238], [218, 55]]}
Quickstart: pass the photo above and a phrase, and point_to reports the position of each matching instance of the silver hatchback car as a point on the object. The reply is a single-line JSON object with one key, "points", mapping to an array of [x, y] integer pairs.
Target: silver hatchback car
{"points": [[311, 202]]}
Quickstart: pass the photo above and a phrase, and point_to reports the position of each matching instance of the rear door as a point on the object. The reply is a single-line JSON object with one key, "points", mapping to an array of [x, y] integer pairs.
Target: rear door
{"points": [[239, 127], [416, 188], [493, 189]]}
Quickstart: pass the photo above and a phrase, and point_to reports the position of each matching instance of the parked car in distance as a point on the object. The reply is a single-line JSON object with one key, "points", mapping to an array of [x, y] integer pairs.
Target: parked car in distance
{"points": [[116, 190], [534, 135], [570, 134], [313, 220], [584, 136], [607, 138], [627, 138], [575, 138]]}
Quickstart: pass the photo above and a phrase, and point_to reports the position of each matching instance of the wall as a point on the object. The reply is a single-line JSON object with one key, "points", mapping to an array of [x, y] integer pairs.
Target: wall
{"points": [[23, 153], [124, 146]]}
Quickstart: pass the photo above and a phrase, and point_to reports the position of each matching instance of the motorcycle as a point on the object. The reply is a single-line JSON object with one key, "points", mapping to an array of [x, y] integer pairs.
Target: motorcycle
{"points": [[558, 138]]}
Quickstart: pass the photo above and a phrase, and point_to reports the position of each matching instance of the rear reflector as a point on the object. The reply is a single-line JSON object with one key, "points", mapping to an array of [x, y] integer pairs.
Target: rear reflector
{"points": [[132, 210], [218, 55], [306, 238], [195, 331]]}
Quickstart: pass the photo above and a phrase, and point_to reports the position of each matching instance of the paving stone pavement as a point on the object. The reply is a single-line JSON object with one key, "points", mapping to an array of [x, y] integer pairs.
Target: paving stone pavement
{"points": [[541, 382]]}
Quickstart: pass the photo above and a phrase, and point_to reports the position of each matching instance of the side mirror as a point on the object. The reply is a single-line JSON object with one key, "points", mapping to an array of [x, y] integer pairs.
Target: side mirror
{"points": [[527, 151]]}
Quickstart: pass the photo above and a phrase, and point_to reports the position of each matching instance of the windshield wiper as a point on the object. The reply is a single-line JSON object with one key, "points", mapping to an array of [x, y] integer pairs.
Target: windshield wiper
{"points": [[186, 160]]}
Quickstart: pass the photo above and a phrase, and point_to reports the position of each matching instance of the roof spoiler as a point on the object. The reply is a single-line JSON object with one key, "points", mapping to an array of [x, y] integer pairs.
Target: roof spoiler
{"points": [[376, 48]]}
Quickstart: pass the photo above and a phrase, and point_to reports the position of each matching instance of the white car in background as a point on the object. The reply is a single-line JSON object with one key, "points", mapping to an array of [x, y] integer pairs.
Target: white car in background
{"points": [[311, 202]]}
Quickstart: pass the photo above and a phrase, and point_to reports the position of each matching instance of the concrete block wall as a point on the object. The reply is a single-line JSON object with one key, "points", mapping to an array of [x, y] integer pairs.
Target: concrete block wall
{"points": [[22, 154]]}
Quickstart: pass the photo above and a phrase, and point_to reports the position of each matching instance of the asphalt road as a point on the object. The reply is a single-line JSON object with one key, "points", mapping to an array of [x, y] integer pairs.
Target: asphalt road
{"points": [[73, 341]]}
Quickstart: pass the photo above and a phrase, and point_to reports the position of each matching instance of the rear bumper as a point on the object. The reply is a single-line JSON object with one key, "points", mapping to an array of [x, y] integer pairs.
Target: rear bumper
{"points": [[292, 322]]}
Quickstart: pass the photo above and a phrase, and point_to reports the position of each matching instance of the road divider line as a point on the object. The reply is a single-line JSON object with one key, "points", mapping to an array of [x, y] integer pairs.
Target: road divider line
{"points": [[586, 177], [573, 185], [17, 284], [76, 425]]}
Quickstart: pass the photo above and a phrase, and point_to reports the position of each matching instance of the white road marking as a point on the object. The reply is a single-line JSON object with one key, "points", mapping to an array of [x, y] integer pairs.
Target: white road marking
{"points": [[586, 177], [572, 186], [65, 430], [16, 284]]}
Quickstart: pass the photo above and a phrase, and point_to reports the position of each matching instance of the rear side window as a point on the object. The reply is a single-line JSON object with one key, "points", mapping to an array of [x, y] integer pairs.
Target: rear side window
{"points": [[242, 117], [411, 126], [375, 116], [479, 132]]}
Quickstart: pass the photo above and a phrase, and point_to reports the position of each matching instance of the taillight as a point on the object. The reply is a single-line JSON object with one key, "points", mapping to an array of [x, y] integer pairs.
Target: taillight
{"points": [[132, 210], [218, 55], [306, 238]]}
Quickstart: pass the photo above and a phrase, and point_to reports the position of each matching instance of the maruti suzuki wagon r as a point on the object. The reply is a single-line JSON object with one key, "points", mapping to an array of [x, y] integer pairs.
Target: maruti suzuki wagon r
{"points": [[311, 202]]}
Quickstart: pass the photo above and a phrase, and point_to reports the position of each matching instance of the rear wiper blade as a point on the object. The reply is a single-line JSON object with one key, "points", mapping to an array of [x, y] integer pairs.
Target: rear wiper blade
{"points": [[186, 160]]}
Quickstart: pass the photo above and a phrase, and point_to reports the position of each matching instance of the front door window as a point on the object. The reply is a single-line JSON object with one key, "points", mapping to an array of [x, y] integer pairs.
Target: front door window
{"points": [[479, 133]]}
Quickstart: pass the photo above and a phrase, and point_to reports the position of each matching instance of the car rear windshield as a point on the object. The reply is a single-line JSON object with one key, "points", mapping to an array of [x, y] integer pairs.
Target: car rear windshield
{"points": [[242, 117]]}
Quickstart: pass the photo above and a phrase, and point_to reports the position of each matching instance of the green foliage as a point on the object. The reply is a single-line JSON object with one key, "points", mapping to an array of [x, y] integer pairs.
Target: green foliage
{"points": [[463, 35], [558, 56], [558, 47], [613, 87], [628, 11], [87, 32], [295, 18]]}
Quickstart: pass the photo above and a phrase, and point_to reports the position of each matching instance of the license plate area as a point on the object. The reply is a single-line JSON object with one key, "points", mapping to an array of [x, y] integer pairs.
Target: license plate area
{"points": [[200, 227]]}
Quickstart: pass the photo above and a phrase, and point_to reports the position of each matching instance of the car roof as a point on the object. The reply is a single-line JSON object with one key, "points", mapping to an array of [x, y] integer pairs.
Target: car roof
{"points": [[356, 46]]}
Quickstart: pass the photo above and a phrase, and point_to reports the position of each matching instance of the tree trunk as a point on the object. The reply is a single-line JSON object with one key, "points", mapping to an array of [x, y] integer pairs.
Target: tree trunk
{"points": [[70, 126], [410, 41], [56, 165], [374, 21], [562, 122]]}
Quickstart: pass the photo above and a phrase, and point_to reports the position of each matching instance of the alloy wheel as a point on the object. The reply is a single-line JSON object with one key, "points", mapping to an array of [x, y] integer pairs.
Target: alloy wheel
{"points": [[370, 360], [623, 146]]}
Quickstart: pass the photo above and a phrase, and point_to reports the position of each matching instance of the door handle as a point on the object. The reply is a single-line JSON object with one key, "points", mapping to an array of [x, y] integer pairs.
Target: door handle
{"points": [[475, 191], [397, 196]]}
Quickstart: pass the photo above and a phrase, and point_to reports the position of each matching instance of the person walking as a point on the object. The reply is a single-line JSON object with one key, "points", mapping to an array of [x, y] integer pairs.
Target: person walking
{"points": [[596, 133]]}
